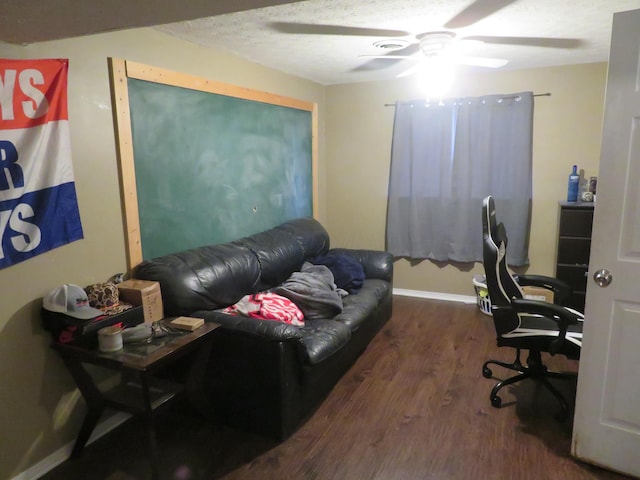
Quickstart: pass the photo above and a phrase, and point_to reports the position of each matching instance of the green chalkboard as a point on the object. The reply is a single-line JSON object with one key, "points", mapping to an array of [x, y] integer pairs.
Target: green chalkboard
{"points": [[210, 168]]}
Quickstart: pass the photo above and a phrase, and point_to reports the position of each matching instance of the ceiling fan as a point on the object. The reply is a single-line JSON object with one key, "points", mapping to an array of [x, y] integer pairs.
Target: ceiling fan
{"points": [[438, 46], [441, 45]]}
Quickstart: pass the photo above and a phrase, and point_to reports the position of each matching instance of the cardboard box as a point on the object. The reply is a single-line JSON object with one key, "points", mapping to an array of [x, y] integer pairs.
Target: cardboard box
{"points": [[538, 293], [145, 293]]}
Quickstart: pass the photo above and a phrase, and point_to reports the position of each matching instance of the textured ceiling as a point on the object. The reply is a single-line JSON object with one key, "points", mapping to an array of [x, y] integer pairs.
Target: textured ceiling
{"points": [[29, 21], [334, 59], [252, 31]]}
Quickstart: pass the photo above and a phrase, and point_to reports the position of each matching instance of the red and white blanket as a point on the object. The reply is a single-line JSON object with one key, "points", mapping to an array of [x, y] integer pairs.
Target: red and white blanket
{"points": [[268, 306]]}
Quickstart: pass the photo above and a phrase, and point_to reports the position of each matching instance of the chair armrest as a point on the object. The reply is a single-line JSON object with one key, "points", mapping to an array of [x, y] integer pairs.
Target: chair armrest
{"points": [[561, 315], [377, 264], [560, 289], [268, 329]]}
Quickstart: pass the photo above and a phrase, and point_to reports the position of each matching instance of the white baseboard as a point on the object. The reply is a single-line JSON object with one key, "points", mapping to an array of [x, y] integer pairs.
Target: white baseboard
{"points": [[448, 297], [56, 458]]}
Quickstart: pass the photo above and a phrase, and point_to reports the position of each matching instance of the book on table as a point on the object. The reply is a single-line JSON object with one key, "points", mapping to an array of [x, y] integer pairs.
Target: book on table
{"points": [[187, 323]]}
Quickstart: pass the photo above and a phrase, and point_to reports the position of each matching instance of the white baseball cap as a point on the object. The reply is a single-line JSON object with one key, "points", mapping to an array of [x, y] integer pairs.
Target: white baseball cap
{"points": [[71, 300]]}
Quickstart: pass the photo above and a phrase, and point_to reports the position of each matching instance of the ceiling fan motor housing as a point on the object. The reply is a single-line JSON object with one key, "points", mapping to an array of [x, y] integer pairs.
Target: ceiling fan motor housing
{"points": [[432, 43]]}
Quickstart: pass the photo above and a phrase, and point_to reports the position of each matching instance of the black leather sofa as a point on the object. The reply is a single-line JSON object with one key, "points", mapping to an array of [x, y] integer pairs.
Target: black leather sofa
{"points": [[265, 376]]}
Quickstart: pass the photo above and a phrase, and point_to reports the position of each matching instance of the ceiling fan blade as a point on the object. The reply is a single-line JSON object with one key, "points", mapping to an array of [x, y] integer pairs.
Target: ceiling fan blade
{"points": [[548, 42], [323, 29], [375, 64], [392, 57], [480, 61], [410, 71], [459, 59], [378, 62], [476, 12]]}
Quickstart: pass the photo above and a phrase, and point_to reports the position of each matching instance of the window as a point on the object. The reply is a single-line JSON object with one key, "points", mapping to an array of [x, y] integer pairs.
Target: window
{"points": [[445, 158]]}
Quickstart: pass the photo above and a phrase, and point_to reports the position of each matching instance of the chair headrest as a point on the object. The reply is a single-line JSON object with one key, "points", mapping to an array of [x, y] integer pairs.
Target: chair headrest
{"points": [[489, 215], [499, 235]]}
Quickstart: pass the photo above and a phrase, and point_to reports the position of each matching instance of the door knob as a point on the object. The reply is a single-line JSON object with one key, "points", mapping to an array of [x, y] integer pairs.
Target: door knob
{"points": [[603, 277]]}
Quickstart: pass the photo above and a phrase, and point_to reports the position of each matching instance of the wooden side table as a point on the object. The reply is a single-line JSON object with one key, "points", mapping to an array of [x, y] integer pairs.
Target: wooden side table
{"points": [[140, 392]]}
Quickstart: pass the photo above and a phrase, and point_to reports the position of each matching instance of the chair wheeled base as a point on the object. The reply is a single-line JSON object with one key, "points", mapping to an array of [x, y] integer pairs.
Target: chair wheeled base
{"points": [[534, 370]]}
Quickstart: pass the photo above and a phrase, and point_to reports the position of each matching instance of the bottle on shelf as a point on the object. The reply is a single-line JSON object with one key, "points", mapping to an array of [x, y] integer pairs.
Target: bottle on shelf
{"points": [[574, 185]]}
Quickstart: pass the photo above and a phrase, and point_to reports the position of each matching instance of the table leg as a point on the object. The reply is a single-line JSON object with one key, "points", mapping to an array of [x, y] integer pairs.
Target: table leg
{"points": [[88, 424], [93, 399], [148, 421], [196, 381]]}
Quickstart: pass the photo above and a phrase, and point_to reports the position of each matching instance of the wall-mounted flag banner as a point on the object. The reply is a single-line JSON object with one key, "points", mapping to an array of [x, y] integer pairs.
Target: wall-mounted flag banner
{"points": [[38, 205]]}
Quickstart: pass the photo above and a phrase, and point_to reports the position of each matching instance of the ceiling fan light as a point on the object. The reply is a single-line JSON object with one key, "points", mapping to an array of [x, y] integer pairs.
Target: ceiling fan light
{"points": [[432, 47], [435, 78], [432, 42]]}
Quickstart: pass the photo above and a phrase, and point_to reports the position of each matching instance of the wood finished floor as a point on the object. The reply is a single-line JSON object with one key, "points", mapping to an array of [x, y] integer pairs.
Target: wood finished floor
{"points": [[414, 406]]}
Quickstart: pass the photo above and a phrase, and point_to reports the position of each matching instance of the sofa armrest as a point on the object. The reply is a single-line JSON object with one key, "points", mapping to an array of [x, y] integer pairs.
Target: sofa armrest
{"points": [[268, 329], [377, 264]]}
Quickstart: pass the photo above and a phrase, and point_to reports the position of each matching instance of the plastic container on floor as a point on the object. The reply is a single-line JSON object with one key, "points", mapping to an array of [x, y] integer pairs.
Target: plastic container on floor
{"points": [[482, 294]]}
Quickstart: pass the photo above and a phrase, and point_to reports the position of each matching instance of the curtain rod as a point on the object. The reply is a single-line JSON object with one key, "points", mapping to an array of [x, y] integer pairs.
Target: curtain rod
{"points": [[548, 94]]}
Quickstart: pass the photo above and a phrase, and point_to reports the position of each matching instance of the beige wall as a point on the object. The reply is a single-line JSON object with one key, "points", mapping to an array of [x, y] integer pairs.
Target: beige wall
{"points": [[567, 130], [40, 410], [38, 394]]}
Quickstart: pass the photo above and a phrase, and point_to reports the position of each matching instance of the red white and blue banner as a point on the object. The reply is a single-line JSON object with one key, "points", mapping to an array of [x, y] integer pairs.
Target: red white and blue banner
{"points": [[38, 204]]}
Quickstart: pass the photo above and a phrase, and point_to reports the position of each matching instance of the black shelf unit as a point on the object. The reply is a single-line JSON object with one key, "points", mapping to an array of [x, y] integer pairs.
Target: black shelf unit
{"points": [[574, 246]]}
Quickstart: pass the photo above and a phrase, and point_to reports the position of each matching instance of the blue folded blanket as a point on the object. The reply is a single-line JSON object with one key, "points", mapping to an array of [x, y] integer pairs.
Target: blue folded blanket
{"points": [[348, 274]]}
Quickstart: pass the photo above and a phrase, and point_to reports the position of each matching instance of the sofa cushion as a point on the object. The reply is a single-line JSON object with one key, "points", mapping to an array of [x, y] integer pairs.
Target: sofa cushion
{"points": [[266, 329], [357, 308], [309, 233], [278, 253], [204, 278], [283, 249], [322, 338]]}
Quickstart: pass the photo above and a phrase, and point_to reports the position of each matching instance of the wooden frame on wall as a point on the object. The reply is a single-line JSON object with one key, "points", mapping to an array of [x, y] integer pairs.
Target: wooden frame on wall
{"points": [[122, 70]]}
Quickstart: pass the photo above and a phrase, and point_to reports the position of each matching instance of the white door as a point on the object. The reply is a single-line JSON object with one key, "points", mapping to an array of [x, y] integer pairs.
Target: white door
{"points": [[606, 427]]}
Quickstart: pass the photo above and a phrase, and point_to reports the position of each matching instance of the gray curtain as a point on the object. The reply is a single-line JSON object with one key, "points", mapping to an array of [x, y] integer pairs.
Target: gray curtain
{"points": [[445, 158]]}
